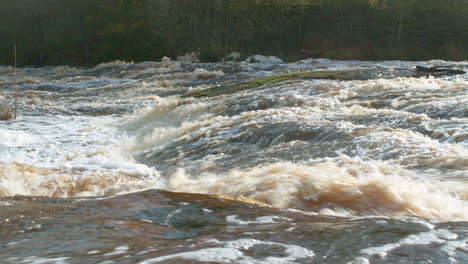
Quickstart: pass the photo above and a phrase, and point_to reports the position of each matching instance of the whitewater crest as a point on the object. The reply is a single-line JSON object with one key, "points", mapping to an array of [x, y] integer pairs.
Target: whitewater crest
{"points": [[345, 187], [20, 179]]}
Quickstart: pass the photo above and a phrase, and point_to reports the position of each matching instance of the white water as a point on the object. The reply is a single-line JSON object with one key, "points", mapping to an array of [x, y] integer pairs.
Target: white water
{"points": [[384, 168]]}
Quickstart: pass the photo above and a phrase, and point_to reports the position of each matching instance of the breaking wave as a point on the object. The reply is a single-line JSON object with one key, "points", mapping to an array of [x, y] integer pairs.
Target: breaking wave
{"points": [[343, 187]]}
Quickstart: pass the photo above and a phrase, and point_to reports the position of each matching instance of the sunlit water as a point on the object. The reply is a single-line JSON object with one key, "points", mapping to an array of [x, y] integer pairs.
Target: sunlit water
{"points": [[111, 165]]}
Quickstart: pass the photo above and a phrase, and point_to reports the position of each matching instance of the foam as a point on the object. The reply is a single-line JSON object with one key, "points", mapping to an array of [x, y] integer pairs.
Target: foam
{"points": [[406, 88], [233, 252], [41, 260], [112, 162], [371, 87], [359, 260], [111, 64], [452, 246], [264, 59], [272, 219], [9, 138], [171, 120], [20, 179], [168, 120], [346, 187], [440, 236], [203, 74], [409, 148], [167, 112], [410, 117], [118, 251]]}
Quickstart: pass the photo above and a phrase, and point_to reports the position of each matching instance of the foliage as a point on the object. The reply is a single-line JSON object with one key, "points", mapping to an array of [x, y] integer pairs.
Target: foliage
{"points": [[93, 31]]}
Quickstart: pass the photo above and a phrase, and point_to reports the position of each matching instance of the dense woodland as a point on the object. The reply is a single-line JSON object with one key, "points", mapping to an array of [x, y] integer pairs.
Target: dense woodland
{"points": [[87, 32]]}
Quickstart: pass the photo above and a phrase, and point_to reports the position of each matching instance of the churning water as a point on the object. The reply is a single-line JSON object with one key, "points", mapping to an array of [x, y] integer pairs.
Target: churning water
{"points": [[113, 165]]}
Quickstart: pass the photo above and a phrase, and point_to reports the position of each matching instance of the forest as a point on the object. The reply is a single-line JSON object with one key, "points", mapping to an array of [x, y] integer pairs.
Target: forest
{"points": [[78, 32]]}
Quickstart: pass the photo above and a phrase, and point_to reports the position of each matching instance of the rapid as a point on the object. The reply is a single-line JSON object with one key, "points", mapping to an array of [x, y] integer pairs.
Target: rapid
{"points": [[121, 163]]}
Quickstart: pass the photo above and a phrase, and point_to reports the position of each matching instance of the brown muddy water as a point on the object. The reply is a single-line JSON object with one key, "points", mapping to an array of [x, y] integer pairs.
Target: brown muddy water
{"points": [[116, 164]]}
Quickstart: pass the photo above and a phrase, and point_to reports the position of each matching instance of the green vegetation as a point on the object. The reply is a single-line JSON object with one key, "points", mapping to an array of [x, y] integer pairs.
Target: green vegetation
{"points": [[79, 32], [330, 75]]}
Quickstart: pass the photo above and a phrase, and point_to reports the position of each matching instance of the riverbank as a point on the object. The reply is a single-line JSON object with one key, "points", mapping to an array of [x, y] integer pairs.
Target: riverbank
{"points": [[100, 31]]}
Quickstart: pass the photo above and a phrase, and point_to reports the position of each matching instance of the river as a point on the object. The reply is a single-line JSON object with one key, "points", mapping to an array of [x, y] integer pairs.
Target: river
{"points": [[130, 163]]}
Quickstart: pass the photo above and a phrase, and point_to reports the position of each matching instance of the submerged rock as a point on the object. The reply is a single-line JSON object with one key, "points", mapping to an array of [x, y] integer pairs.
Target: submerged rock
{"points": [[438, 70], [6, 113], [326, 75]]}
